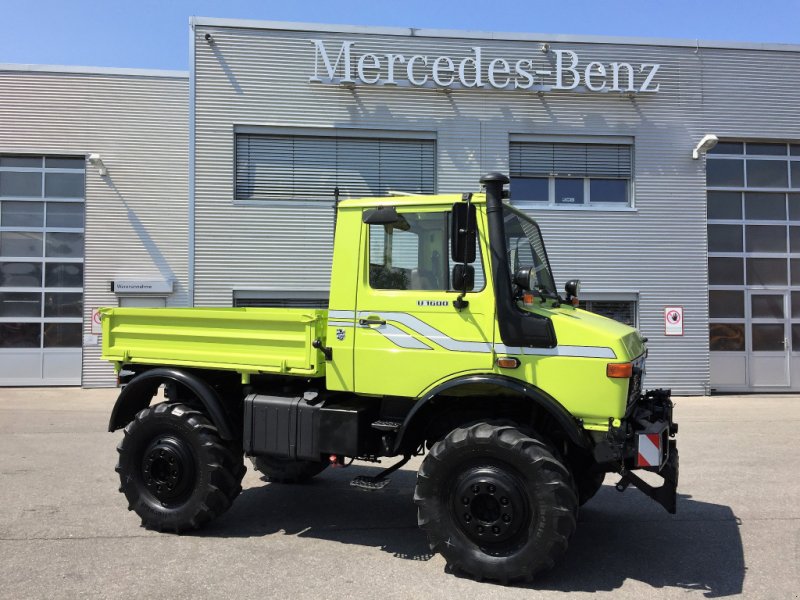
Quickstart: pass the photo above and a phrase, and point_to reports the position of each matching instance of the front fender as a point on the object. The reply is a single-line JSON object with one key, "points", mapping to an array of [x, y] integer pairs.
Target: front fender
{"points": [[555, 409]]}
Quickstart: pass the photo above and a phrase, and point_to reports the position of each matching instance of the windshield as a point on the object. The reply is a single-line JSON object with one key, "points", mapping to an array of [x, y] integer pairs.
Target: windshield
{"points": [[526, 249]]}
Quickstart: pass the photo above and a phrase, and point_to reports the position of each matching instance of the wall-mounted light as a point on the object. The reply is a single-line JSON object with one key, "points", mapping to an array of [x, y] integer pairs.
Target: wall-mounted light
{"points": [[704, 145], [97, 162]]}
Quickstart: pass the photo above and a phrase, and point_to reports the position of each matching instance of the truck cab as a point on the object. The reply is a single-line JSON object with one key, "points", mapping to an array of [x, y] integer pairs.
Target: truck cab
{"points": [[407, 305]]}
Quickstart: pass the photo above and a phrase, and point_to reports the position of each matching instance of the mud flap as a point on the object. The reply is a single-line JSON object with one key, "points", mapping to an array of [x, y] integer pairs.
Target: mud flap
{"points": [[666, 494]]}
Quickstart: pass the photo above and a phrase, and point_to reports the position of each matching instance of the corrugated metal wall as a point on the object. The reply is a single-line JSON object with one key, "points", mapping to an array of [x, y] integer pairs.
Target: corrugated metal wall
{"points": [[261, 77], [136, 218]]}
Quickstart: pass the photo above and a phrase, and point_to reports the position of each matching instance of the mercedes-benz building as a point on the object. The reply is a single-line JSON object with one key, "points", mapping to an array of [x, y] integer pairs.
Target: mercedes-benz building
{"points": [[665, 174]]}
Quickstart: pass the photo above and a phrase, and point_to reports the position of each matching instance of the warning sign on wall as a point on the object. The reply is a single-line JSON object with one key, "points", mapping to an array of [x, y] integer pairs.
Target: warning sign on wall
{"points": [[673, 320], [97, 326]]}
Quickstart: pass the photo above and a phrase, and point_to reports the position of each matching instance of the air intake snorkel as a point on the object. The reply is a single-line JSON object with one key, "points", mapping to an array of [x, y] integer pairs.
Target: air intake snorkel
{"points": [[518, 328]]}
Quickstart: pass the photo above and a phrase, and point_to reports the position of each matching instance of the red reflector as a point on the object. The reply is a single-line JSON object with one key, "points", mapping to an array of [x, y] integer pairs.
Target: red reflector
{"points": [[620, 370], [507, 362], [649, 454]]}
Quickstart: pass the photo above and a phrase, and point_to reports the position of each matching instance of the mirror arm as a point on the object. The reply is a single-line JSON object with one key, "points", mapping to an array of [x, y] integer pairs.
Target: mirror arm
{"points": [[459, 303]]}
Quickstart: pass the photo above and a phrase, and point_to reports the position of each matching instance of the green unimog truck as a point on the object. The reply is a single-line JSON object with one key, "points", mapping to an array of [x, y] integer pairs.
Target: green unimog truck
{"points": [[445, 336]]}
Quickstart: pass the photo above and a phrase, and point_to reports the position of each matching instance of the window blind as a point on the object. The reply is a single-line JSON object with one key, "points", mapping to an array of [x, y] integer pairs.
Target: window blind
{"points": [[541, 159], [290, 167]]}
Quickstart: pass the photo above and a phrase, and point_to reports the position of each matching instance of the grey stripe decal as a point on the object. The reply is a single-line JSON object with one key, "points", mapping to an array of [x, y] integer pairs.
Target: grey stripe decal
{"points": [[574, 351], [395, 335], [341, 314], [431, 333], [340, 323], [400, 337]]}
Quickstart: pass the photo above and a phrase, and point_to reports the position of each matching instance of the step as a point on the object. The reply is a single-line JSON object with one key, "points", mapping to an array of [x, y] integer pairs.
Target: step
{"points": [[387, 425]]}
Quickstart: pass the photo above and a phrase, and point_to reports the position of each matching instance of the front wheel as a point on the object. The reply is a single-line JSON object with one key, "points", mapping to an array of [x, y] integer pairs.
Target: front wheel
{"points": [[174, 469], [495, 502]]}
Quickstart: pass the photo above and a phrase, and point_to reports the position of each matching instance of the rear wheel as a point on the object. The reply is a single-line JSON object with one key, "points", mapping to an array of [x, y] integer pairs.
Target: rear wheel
{"points": [[495, 502], [174, 469], [285, 470]]}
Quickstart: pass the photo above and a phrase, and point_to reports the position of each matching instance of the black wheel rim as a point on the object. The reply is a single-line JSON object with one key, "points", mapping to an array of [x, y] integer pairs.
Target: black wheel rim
{"points": [[490, 506], [168, 468]]}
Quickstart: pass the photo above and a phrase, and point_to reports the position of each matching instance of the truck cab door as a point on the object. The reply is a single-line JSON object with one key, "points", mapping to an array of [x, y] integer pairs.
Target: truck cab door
{"points": [[408, 333]]}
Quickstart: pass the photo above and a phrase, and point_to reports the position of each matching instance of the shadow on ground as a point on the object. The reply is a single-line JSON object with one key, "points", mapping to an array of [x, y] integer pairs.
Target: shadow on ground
{"points": [[328, 508], [619, 536]]}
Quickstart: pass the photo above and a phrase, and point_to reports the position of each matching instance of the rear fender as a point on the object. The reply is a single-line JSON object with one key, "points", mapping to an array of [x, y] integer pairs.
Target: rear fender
{"points": [[137, 395]]}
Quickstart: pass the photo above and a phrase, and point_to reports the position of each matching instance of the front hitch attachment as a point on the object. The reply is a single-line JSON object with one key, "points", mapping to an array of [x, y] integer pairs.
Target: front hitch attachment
{"points": [[666, 494]]}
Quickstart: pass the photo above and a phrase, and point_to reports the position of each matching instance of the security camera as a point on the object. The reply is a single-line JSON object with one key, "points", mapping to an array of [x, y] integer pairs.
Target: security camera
{"points": [[544, 48], [209, 39], [704, 145]]}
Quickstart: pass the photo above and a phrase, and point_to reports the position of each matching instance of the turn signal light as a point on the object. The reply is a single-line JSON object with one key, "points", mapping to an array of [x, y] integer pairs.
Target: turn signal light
{"points": [[507, 362], [527, 298], [620, 370]]}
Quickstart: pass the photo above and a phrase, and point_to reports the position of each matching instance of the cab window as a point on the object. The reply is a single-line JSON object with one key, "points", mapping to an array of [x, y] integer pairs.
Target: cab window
{"points": [[414, 254]]}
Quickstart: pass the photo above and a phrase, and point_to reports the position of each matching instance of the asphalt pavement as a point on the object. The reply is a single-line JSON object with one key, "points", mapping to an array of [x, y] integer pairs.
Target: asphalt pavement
{"points": [[65, 531]]}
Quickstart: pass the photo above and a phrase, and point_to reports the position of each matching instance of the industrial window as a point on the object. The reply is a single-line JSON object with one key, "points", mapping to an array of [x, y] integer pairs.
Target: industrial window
{"points": [[754, 165], [556, 174], [753, 210], [41, 251], [280, 299], [623, 311], [311, 168]]}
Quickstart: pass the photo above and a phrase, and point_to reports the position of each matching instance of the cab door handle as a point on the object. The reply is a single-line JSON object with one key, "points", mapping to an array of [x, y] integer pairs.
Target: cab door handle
{"points": [[371, 321]]}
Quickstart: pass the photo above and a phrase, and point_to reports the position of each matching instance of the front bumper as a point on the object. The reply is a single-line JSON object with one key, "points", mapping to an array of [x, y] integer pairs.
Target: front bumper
{"points": [[645, 440]]}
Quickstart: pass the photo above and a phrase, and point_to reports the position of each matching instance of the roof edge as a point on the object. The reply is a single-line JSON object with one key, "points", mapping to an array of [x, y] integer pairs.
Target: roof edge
{"points": [[488, 35], [94, 70]]}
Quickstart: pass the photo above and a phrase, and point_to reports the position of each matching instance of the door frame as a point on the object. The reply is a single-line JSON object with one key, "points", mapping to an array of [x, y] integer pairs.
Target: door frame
{"points": [[784, 321]]}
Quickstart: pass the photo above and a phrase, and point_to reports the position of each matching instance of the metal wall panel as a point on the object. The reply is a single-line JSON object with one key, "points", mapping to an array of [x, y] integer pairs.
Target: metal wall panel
{"points": [[136, 217], [252, 76]]}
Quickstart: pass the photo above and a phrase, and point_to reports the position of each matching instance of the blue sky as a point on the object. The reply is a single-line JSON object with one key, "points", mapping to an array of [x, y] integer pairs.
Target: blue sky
{"points": [[154, 34]]}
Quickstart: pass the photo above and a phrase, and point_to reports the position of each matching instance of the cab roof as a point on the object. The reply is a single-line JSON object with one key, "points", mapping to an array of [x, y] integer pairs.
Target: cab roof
{"points": [[418, 200]]}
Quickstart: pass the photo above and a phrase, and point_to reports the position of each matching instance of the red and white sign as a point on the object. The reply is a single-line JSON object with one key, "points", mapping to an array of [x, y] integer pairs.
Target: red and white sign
{"points": [[649, 450], [97, 325], [673, 320]]}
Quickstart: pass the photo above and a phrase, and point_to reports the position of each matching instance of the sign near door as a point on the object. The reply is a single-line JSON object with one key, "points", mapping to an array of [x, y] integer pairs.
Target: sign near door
{"points": [[97, 324], [673, 320]]}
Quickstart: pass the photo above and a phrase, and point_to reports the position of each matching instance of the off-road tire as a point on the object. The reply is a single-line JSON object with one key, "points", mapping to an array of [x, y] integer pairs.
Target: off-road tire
{"points": [[285, 470], [175, 470], [509, 483]]}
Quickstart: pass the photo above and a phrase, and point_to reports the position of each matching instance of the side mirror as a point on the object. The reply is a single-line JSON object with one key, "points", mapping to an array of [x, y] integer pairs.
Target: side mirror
{"points": [[385, 215], [573, 288], [463, 277], [525, 278], [462, 233]]}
